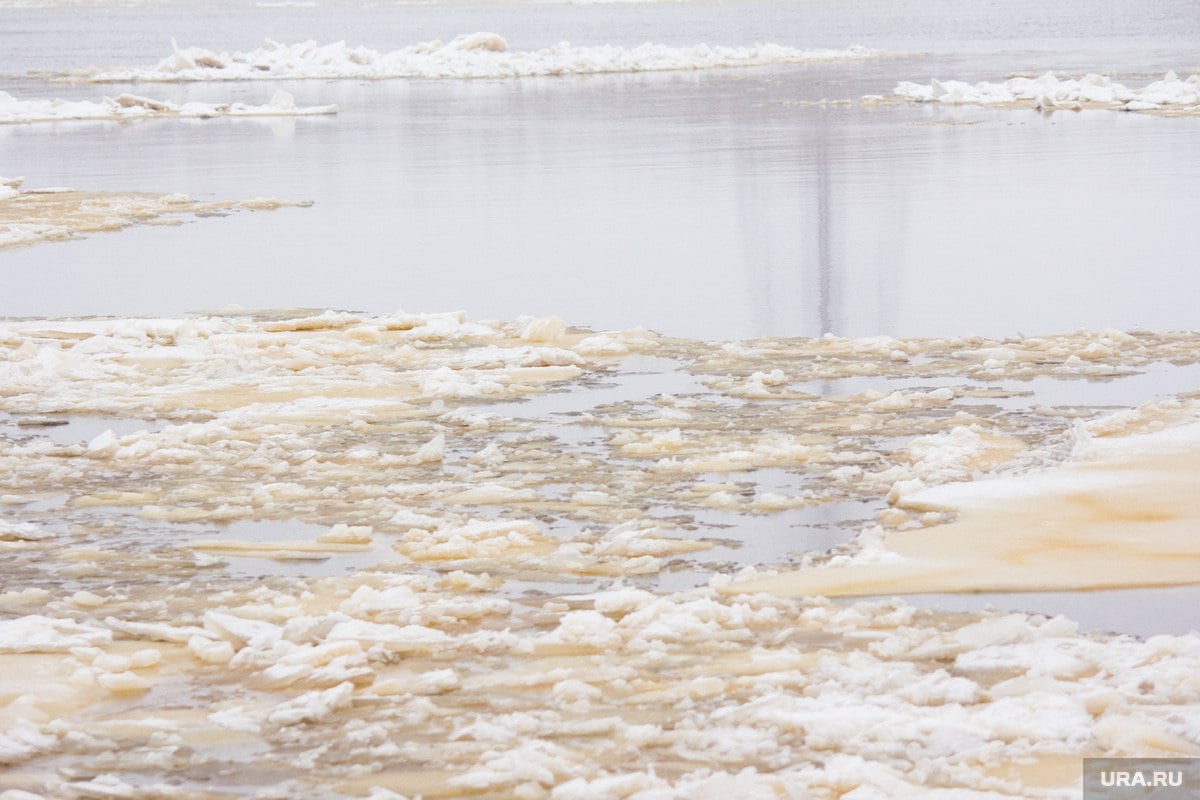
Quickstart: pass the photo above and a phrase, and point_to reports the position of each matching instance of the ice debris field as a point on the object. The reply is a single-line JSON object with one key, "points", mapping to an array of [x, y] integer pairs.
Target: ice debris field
{"points": [[296, 554]]}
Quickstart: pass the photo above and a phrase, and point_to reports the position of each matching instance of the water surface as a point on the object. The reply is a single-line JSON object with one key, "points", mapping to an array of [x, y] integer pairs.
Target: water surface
{"points": [[702, 204]]}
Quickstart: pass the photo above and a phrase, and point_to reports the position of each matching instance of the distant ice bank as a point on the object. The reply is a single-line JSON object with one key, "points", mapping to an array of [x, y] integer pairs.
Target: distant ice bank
{"points": [[1169, 95], [476, 55]]}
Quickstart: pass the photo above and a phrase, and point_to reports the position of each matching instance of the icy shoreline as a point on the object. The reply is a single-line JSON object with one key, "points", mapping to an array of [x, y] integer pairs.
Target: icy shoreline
{"points": [[476, 55]]}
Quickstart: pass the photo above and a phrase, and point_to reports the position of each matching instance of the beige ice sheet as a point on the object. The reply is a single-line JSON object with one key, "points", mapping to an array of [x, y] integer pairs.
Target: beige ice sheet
{"points": [[47, 215], [1125, 513]]}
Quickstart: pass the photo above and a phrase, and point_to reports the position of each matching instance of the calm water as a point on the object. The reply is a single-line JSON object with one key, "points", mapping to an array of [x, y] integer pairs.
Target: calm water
{"points": [[703, 204]]}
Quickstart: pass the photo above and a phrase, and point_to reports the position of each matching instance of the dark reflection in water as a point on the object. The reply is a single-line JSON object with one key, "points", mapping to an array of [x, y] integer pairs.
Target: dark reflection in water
{"points": [[824, 262]]}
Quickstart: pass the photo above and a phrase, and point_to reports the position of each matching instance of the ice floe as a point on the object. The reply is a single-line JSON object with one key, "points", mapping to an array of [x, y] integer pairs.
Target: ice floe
{"points": [[1117, 514], [1170, 94], [475, 55], [35, 216], [40, 634], [131, 106]]}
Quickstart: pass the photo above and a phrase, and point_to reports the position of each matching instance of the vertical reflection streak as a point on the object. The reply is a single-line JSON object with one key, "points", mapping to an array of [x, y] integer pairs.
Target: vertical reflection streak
{"points": [[824, 265]]}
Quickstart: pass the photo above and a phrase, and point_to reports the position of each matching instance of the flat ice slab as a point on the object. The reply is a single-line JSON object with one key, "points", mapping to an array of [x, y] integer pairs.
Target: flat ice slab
{"points": [[1121, 513], [132, 106], [35, 216]]}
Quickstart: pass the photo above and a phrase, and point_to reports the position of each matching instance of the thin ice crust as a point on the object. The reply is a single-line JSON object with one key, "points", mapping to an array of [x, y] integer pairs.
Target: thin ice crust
{"points": [[37, 216]]}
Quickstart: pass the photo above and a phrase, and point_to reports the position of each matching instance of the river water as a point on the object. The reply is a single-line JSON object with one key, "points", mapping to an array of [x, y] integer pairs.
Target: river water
{"points": [[707, 204]]}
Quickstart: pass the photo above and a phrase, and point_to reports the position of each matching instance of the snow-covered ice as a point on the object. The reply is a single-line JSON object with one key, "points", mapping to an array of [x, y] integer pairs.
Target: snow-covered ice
{"points": [[1169, 94], [475, 55]]}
